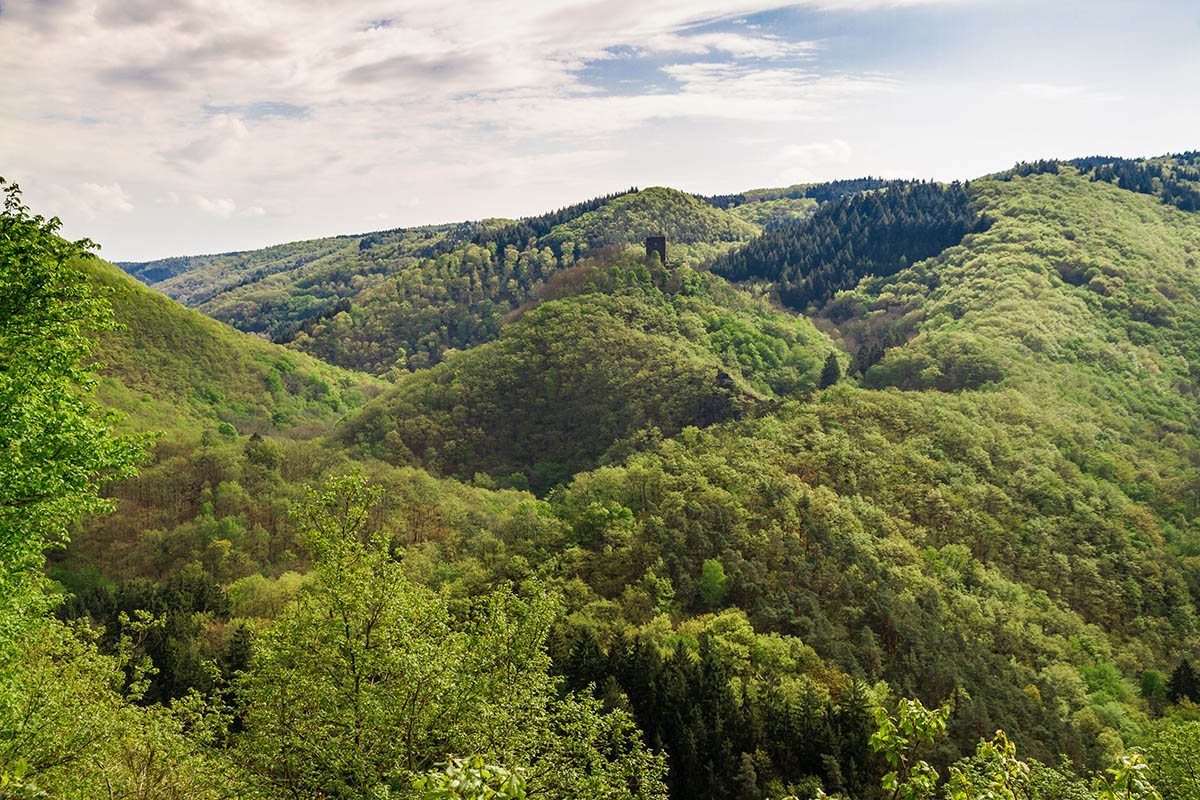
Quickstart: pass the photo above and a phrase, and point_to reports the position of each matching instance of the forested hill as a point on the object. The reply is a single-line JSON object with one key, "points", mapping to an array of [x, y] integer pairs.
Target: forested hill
{"points": [[693, 228], [619, 353], [172, 368], [397, 300], [1015, 528], [700, 530], [873, 234]]}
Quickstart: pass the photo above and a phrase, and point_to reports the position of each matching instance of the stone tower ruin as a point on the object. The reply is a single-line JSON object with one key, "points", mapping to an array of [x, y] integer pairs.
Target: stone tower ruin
{"points": [[657, 244]]}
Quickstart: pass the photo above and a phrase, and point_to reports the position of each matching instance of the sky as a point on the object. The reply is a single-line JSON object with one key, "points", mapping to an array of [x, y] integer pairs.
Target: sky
{"points": [[160, 128]]}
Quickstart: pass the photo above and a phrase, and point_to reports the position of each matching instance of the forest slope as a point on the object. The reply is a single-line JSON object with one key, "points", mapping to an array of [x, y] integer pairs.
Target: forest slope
{"points": [[998, 511], [1007, 520], [618, 348], [173, 369], [395, 301]]}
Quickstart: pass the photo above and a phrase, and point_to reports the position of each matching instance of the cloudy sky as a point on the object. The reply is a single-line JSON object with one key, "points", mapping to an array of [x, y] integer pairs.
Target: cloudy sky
{"points": [[164, 128]]}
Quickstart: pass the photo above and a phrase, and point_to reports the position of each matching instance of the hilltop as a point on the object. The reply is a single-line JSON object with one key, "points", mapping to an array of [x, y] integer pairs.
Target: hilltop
{"points": [[397, 300]]}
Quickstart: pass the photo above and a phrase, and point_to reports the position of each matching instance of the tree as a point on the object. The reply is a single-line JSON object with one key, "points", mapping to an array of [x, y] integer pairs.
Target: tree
{"points": [[56, 446], [713, 584], [65, 729], [899, 738], [1174, 756], [831, 373], [1183, 684], [366, 681], [1154, 689]]}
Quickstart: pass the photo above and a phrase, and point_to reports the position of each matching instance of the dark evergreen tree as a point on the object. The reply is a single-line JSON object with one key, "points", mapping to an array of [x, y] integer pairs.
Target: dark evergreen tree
{"points": [[1183, 684], [831, 373]]}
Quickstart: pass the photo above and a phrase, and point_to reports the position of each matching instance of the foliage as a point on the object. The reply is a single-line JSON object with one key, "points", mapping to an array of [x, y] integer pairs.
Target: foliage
{"points": [[576, 376], [774, 213], [1175, 179], [686, 222], [831, 373], [899, 738], [735, 711], [1000, 514], [1173, 753], [879, 233], [524, 232], [471, 779], [398, 300], [56, 445], [66, 730], [1128, 780], [173, 369], [820, 192], [1183, 684], [367, 681]]}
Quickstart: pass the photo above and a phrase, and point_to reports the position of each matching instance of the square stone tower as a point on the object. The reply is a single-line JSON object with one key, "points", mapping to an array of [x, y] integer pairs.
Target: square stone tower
{"points": [[657, 244]]}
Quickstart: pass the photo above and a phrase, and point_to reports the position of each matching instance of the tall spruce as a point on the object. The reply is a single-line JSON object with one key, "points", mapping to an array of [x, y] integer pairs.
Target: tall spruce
{"points": [[1183, 684], [831, 373]]}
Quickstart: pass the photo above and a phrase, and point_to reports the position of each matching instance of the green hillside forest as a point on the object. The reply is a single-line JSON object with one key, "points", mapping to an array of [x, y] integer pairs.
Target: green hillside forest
{"points": [[872, 489]]}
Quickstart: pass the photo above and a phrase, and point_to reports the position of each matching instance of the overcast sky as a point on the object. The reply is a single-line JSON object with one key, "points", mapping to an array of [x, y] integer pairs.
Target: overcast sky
{"points": [[164, 128]]}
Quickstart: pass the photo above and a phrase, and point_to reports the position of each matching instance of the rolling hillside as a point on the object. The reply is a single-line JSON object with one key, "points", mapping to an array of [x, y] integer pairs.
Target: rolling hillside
{"points": [[395, 301], [173, 369], [935, 441], [618, 352]]}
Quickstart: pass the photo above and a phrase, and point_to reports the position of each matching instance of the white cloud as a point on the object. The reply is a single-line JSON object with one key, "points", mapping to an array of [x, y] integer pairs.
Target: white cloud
{"points": [[221, 135], [217, 206], [93, 200], [734, 44], [799, 163]]}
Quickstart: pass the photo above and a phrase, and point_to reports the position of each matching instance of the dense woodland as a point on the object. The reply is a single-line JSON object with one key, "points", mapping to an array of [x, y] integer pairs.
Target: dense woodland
{"points": [[858, 236], [519, 512]]}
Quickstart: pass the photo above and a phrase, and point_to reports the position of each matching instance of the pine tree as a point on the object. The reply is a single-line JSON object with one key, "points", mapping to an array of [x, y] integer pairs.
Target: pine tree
{"points": [[831, 373], [1183, 683]]}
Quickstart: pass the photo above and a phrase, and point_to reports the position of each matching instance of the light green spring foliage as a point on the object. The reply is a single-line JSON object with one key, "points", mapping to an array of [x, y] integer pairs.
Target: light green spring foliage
{"points": [[1173, 751], [617, 349], [899, 738], [695, 230], [66, 731], [367, 681], [173, 369], [1015, 508], [471, 779], [398, 300], [776, 211], [1128, 779], [994, 772], [56, 445]]}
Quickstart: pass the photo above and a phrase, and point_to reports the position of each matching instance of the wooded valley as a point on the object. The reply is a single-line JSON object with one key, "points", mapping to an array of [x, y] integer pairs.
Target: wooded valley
{"points": [[875, 489]]}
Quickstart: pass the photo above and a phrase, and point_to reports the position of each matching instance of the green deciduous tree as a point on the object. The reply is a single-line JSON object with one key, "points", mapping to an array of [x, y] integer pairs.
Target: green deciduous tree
{"points": [[1174, 756], [65, 729], [899, 738], [367, 680], [714, 586], [56, 446]]}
